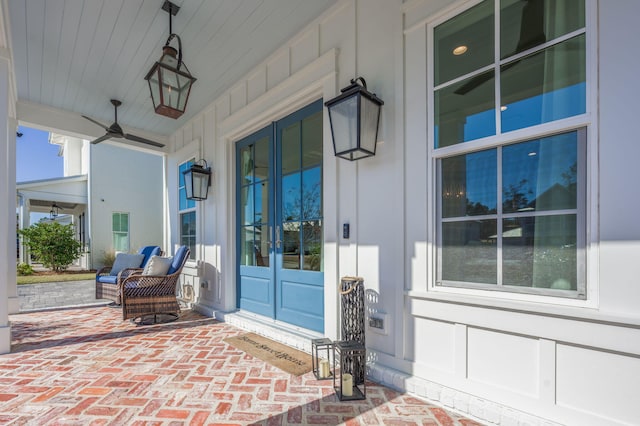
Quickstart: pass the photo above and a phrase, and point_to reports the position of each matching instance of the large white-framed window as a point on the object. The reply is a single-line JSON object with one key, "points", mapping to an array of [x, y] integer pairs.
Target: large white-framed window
{"points": [[186, 211], [120, 231], [509, 147]]}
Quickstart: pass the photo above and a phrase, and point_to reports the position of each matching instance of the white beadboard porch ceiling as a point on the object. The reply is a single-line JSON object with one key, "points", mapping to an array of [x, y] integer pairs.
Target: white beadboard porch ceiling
{"points": [[76, 55]]}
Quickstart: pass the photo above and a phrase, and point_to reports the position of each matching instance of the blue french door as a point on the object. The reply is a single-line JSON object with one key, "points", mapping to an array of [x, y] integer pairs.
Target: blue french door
{"points": [[279, 209]]}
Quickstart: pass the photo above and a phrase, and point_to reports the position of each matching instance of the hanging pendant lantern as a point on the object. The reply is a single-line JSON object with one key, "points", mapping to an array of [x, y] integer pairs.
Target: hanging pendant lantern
{"points": [[169, 79]]}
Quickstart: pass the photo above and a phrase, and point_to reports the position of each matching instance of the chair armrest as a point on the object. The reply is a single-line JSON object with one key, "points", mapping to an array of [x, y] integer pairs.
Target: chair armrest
{"points": [[129, 271], [105, 270]]}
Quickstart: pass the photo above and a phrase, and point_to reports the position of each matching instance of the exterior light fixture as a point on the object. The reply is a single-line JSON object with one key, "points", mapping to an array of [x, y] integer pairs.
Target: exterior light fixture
{"points": [[197, 181], [169, 79], [54, 212], [354, 116]]}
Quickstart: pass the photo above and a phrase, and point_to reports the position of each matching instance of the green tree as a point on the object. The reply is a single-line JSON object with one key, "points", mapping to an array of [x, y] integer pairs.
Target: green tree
{"points": [[52, 244]]}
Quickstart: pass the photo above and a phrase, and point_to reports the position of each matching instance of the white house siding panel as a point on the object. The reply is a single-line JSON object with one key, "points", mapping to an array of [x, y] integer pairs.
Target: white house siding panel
{"points": [[305, 49], [256, 84], [434, 345], [597, 382], [238, 97], [278, 69], [125, 181], [415, 175], [503, 360], [507, 360], [619, 152]]}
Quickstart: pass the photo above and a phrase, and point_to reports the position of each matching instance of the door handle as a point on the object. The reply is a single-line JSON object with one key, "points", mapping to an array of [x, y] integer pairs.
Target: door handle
{"points": [[278, 240], [269, 237]]}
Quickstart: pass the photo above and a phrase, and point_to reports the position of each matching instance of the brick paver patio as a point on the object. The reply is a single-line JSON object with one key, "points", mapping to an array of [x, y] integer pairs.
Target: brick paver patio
{"points": [[88, 367]]}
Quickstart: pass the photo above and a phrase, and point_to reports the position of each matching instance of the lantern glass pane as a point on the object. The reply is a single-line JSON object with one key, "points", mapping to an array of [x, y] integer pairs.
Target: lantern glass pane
{"points": [[344, 123], [154, 87], [170, 91], [188, 186], [200, 185], [369, 115]]}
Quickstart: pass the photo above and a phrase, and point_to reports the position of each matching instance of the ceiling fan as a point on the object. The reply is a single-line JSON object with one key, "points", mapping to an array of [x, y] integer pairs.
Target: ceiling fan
{"points": [[115, 131]]}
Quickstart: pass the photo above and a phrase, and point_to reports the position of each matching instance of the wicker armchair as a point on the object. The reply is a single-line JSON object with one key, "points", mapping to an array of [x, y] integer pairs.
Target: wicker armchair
{"points": [[152, 295], [107, 283]]}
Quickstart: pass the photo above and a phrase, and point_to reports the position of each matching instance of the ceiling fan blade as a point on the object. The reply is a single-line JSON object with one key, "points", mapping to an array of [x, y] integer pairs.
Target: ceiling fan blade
{"points": [[142, 140], [102, 138], [96, 122]]}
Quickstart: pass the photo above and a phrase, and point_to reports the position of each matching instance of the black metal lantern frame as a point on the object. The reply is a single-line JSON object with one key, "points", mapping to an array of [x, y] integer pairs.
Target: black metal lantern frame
{"points": [[321, 350], [346, 385], [197, 180], [354, 116], [169, 79], [54, 212]]}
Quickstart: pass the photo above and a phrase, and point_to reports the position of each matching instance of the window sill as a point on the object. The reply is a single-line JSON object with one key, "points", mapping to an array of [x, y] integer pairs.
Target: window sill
{"points": [[542, 306]]}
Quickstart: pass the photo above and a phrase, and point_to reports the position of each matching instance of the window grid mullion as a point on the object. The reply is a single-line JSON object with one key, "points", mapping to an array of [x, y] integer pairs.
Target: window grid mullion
{"points": [[499, 218], [496, 63]]}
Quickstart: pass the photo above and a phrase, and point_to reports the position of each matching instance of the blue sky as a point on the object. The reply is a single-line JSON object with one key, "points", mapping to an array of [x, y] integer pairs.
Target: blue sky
{"points": [[36, 158]]}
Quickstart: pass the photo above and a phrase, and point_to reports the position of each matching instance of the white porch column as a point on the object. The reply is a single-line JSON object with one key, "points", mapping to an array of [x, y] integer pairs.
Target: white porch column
{"points": [[8, 287]]}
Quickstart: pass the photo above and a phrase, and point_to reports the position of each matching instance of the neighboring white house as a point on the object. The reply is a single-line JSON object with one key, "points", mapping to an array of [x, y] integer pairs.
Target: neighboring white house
{"points": [[495, 228], [95, 195]]}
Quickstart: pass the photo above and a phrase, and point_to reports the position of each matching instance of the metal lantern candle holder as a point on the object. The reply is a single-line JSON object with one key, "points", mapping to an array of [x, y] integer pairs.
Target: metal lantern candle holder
{"points": [[354, 116], [352, 319], [197, 180], [347, 355], [321, 351]]}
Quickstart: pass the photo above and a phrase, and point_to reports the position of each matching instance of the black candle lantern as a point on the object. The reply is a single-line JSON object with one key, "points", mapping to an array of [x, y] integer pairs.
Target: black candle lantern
{"points": [[354, 116], [320, 358], [348, 354], [197, 180]]}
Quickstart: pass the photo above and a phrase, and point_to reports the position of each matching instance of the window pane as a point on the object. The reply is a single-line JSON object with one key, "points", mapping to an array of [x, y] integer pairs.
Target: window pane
{"points": [[540, 252], [312, 234], [540, 174], [188, 232], [545, 86], [473, 29], [524, 25], [291, 148], [261, 213], [291, 202], [312, 140], [291, 245], [246, 205], [469, 251], [465, 111], [247, 249], [262, 159], [311, 195], [261, 244], [120, 242], [469, 184], [246, 164], [115, 222]]}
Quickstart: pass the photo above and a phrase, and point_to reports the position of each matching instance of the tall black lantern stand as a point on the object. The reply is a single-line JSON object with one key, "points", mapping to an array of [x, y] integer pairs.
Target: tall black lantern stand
{"points": [[321, 351], [352, 320], [347, 355]]}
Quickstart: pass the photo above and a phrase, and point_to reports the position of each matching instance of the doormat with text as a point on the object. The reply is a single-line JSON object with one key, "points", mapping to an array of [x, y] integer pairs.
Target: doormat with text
{"points": [[282, 356]]}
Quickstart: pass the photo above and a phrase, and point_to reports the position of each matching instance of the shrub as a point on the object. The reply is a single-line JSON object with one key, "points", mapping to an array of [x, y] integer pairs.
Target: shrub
{"points": [[52, 244], [24, 269], [108, 258]]}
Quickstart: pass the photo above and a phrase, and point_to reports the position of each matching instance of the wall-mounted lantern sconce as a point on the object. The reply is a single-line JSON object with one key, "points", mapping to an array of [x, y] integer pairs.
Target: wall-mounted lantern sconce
{"points": [[354, 116], [169, 79], [54, 212], [197, 181]]}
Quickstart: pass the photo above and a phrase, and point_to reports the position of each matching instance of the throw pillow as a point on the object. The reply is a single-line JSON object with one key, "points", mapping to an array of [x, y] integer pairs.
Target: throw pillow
{"points": [[124, 260], [157, 265]]}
